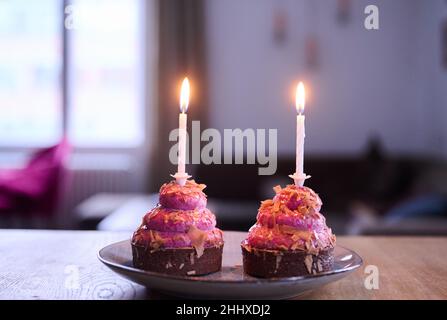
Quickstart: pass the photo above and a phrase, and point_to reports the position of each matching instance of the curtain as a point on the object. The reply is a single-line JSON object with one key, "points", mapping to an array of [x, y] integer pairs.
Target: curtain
{"points": [[182, 52]]}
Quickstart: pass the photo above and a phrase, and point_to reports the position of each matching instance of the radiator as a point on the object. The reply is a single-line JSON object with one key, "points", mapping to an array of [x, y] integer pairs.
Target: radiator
{"points": [[82, 184]]}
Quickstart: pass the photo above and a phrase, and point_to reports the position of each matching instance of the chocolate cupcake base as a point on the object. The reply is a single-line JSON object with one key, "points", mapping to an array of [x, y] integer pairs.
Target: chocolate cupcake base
{"points": [[178, 261], [274, 263]]}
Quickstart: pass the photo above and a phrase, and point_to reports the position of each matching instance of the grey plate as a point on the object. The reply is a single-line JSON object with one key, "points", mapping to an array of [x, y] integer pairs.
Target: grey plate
{"points": [[231, 282]]}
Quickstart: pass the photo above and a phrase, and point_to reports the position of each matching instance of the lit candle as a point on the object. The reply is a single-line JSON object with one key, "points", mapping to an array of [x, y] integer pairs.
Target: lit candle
{"points": [[299, 176], [181, 176]]}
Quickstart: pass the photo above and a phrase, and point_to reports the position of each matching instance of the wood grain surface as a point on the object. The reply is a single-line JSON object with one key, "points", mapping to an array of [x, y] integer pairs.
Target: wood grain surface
{"points": [[64, 265]]}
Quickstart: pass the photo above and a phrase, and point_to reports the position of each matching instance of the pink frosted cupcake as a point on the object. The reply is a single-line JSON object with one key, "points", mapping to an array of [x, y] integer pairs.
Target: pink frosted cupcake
{"points": [[290, 237], [179, 236]]}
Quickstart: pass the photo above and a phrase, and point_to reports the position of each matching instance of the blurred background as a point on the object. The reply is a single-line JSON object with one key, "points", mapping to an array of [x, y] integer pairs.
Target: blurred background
{"points": [[89, 93]]}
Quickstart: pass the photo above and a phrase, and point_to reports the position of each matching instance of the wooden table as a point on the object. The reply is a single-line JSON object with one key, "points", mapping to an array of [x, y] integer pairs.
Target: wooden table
{"points": [[63, 265]]}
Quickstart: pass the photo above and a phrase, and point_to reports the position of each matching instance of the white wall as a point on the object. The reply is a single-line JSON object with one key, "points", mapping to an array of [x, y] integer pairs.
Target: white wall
{"points": [[368, 82], [433, 89]]}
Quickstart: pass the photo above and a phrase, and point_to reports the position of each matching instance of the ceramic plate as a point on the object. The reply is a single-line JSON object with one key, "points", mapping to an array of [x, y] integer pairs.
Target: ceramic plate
{"points": [[231, 282]]}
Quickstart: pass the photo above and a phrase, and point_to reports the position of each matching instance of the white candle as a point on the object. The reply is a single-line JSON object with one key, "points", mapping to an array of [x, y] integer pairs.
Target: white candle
{"points": [[300, 135], [181, 176], [299, 176], [182, 120]]}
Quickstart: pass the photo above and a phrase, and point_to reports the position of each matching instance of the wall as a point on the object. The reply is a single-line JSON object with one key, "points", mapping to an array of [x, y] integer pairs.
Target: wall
{"points": [[367, 83], [433, 84]]}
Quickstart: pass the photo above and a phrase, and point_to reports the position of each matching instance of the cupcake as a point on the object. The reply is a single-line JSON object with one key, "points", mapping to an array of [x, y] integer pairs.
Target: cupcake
{"points": [[179, 236], [290, 237]]}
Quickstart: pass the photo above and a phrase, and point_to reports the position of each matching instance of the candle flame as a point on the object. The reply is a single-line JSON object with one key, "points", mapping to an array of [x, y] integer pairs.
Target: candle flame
{"points": [[184, 95], [300, 98]]}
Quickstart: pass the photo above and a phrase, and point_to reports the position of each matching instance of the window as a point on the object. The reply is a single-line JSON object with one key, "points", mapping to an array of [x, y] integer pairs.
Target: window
{"points": [[104, 65], [30, 72], [106, 73]]}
